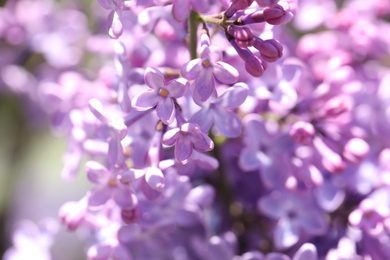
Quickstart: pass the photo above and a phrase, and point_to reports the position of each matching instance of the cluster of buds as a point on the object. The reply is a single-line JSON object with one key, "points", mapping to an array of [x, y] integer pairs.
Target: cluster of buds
{"points": [[242, 38]]}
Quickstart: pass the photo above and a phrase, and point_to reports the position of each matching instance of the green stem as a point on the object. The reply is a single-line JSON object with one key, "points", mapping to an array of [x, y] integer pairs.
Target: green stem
{"points": [[193, 23]]}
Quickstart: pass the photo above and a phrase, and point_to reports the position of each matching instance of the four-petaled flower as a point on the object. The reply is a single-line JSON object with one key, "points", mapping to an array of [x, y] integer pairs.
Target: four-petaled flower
{"points": [[160, 94], [207, 68], [185, 138]]}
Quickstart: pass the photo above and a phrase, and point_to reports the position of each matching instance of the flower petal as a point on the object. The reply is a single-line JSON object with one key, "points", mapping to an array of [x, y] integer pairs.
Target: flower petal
{"points": [[177, 87], [227, 122], [248, 159], [131, 175], [204, 118], [191, 69], [154, 78], [166, 110], [170, 137], [96, 172], [145, 100], [306, 251], [124, 197], [181, 9], [155, 178], [149, 193], [204, 84], [99, 196], [234, 96], [286, 234], [225, 73], [183, 149], [202, 142]]}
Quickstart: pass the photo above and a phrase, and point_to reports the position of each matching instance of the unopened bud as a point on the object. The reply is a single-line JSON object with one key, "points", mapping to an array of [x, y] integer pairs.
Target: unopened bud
{"points": [[302, 132], [274, 15], [270, 50], [267, 3], [256, 17], [237, 5], [255, 66], [243, 35], [356, 150]]}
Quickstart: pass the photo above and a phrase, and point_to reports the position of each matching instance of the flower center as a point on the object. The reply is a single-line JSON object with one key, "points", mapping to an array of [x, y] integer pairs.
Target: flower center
{"points": [[206, 63], [112, 183], [163, 92]]}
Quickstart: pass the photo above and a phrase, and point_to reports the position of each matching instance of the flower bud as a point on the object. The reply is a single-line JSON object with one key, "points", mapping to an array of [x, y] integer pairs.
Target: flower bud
{"points": [[243, 35], [356, 150], [274, 15], [270, 50], [255, 66], [302, 132], [267, 3], [237, 5], [256, 17]]}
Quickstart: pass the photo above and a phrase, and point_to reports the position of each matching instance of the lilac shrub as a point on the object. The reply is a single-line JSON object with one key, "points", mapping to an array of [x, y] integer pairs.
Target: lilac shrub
{"points": [[230, 129]]}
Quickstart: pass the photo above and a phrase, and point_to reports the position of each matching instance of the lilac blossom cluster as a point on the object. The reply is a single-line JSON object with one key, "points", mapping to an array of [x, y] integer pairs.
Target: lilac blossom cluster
{"points": [[230, 129]]}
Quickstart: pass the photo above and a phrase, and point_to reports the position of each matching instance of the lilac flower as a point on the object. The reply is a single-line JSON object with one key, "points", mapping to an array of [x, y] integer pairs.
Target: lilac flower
{"points": [[114, 18], [185, 138], [294, 214], [218, 110], [160, 95], [108, 187], [32, 241], [207, 68]]}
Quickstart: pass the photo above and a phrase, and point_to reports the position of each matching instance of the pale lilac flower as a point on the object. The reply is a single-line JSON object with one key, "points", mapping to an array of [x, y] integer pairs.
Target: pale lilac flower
{"points": [[295, 214], [219, 111], [206, 69], [108, 187], [185, 138], [114, 18], [160, 94]]}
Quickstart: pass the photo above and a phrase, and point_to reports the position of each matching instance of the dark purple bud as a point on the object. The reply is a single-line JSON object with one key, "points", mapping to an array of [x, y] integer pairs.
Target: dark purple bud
{"points": [[237, 5], [255, 66], [302, 132], [256, 17], [270, 50], [267, 3], [243, 35], [274, 15]]}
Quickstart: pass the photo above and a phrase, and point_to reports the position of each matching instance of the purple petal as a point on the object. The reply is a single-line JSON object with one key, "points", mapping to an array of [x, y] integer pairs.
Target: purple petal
{"points": [[130, 175], [234, 96], [115, 151], [227, 122], [248, 160], [166, 110], [124, 197], [204, 84], [329, 196], [97, 173], [225, 73], [100, 195], [121, 253], [181, 9], [107, 4], [305, 252], [149, 193], [155, 178], [202, 142], [313, 222], [96, 108], [183, 149], [204, 118], [286, 234], [170, 137], [201, 6], [154, 78], [192, 69], [187, 216], [114, 23], [145, 100], [177, 87], [203, 195], [272, 206], [205, 161]]}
